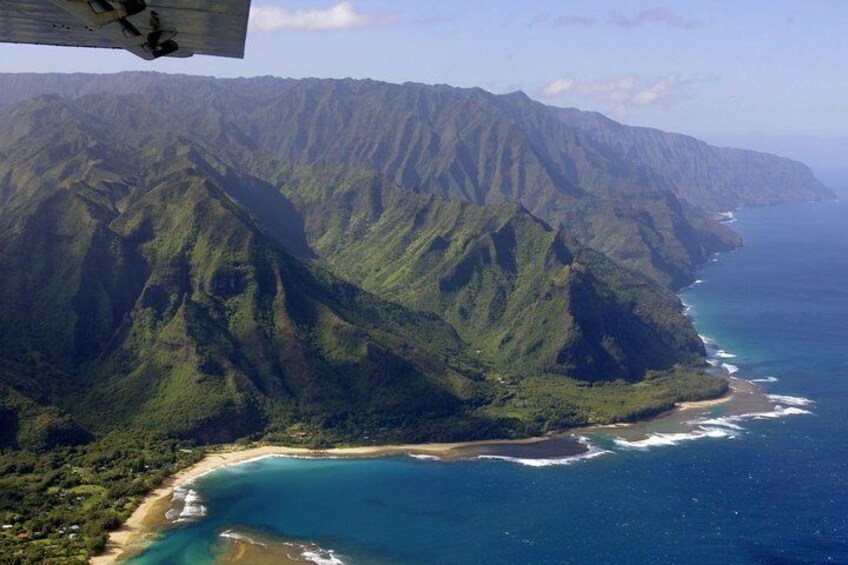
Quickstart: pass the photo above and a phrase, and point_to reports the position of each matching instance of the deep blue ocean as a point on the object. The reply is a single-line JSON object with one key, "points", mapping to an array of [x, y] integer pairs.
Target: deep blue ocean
{"points": [[775, 493]]}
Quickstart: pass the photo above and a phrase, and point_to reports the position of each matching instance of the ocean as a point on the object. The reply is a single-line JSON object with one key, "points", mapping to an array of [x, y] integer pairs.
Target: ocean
{"points": [[769, 489]]}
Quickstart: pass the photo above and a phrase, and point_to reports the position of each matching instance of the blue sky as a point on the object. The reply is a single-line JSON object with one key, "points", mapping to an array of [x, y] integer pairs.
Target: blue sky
{"points": [[764, 74]]}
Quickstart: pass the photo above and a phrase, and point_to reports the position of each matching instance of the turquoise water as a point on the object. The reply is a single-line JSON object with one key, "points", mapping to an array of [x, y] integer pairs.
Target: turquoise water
{"points": [[777, 492]]}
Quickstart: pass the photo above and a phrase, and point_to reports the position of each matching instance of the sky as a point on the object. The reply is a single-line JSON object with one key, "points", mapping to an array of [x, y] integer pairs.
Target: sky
{"points": [[769, 75]]}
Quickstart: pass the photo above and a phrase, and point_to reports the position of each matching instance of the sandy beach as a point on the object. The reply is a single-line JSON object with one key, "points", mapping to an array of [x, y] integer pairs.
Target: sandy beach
{"points": [[150, 514], [738, 387]]}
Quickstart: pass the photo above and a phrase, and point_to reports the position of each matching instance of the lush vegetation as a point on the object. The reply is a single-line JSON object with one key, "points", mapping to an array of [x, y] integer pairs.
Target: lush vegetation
{"points": [[549, 402], [322, 262], [58, 506], [525, 297], [636, 194], [200, 289], [463, 144]]}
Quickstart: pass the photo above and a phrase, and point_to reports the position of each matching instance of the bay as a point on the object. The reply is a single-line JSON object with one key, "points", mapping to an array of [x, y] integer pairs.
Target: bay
{"points": [[775, 492]]}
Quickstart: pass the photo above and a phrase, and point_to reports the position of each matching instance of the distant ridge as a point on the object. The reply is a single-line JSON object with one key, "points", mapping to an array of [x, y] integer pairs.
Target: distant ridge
{"points": [[712, 178], [643, 197]]}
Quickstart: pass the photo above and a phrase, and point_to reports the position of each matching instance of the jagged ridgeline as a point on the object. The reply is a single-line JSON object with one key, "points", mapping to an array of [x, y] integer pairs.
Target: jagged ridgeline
{"points": [[643, 197], [331, 259]]}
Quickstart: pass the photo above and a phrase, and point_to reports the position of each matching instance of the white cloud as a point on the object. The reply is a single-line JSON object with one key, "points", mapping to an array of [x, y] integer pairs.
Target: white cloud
{"points": [[557, 87], [339, 16], [668, 91], [652, 17], [564, 20], [622, 94], [660, 16]]}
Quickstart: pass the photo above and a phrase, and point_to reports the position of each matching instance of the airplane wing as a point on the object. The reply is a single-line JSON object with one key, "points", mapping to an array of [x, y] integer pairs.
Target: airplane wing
{"points": [[148, 28]]}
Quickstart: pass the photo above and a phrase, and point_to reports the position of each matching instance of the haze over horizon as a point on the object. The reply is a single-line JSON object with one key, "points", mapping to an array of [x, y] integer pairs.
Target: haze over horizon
{"points": [[766, 76]]}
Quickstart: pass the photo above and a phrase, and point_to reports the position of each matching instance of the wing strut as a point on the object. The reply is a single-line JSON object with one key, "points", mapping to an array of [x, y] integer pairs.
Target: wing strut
{"points": [[111, 17]]}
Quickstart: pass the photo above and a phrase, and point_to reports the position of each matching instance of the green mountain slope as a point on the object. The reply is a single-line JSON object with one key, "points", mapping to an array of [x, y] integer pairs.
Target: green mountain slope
{"points": [[170, 309], [526, 297], [180, 285], [460, 144], [640, 196], [712, 178]]}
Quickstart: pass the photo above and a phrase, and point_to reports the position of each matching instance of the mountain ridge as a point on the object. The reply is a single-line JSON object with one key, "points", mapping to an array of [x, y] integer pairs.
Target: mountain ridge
{"points": [[462, 143], [706, 171], [179, 289], [435, 238], [187, 261]]}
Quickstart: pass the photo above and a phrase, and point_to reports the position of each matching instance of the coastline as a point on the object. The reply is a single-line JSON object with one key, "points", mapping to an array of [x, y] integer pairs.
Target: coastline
{"points": [[145, 520], [149, 515], [136, 529], [735, 388], [745, 393]]}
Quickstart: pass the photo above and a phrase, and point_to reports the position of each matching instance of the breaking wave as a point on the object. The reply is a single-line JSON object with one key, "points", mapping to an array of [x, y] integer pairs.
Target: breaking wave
{"points": [[591, 453], [765, 380], [310, 552], [724, 426], [230, 534], [790, 400], [569, 460], [667, 439], [779, 411], [192, 507], [322, 557], [424, 457]]}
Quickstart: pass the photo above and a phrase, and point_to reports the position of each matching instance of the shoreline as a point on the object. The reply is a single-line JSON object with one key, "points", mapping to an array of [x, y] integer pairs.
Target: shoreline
{"points": [[139, 525], [143, 522], [741, 394], [733, 389], [128, 538]]}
